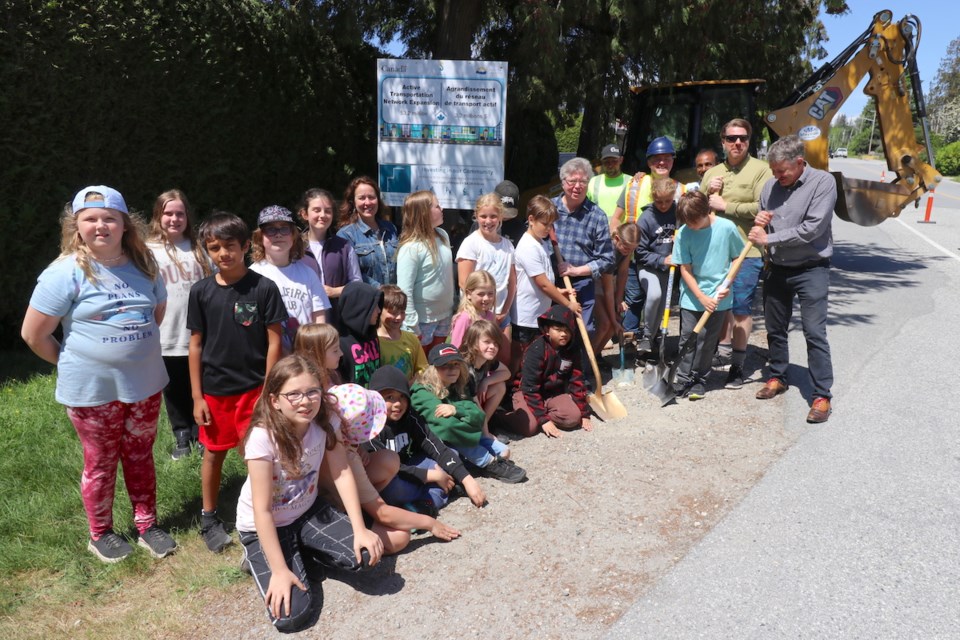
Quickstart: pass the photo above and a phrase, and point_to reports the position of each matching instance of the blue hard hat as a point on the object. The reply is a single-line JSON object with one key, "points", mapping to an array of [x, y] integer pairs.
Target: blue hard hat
{"points": [[660, 145]]}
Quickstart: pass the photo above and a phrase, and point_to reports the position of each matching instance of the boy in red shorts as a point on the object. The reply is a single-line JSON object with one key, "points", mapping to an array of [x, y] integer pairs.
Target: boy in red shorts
{"points": [[234, 320]]}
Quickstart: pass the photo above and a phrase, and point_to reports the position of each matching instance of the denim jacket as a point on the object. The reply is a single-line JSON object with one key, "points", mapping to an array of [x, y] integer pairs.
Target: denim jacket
{"points": [[377, 255]]}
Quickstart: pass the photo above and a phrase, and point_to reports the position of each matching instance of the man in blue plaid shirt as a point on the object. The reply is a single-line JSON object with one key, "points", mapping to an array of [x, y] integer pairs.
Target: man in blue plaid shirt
{"points": [[583, 233]]}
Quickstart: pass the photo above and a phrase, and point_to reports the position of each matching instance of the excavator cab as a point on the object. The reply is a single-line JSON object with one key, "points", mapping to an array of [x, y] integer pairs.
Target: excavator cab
{"points": [[690, 114]]}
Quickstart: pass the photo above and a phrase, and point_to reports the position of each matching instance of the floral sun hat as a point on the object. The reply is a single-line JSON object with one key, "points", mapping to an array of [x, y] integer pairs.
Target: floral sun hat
{"points": [[364, 412]]}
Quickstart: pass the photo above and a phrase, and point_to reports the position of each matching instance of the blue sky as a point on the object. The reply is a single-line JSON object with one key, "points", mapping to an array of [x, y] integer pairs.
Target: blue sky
{"points": [[939, 24]]}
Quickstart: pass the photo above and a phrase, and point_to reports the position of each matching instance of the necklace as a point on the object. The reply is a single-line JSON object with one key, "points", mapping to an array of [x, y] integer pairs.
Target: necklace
{"points": [[111, 260]]}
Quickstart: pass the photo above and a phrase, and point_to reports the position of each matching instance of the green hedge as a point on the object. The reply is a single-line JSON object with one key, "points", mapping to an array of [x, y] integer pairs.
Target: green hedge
{"points": [[948, 159], [240, 103]]}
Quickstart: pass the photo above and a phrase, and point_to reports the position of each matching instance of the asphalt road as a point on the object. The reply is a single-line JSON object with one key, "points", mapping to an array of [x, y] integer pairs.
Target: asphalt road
{"points": [[855, 531]]}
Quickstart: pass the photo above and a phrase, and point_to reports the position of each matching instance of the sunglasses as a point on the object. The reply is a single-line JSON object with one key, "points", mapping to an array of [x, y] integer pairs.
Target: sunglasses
{"points": [[732, 139], [273, 232]]}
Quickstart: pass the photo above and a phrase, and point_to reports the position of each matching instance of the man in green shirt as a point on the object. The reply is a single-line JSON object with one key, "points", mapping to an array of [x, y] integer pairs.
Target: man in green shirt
{"points": [[734, 189], [605, 189]]}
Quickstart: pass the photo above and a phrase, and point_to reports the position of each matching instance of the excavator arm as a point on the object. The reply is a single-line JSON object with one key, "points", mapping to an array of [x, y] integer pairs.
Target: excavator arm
{"points": [[886, 52]]}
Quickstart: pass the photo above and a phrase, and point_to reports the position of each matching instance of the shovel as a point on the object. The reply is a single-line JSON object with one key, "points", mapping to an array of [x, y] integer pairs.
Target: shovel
{"points": [[623, 376], [654, 379], [606, 406], [691, 340]]}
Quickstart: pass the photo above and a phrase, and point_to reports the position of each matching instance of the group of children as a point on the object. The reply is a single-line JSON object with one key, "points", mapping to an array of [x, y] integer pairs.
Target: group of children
{"points": [[367, 406]]}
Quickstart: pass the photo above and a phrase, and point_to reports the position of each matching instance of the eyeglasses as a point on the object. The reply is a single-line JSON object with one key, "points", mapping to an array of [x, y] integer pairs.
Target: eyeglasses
{"points": [[272, 232], [575, 183], [296, 397], [732, 139]]}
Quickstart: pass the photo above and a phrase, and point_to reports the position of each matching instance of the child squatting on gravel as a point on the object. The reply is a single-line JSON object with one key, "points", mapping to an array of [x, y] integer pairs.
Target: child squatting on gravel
{"points": [[429, 469], [440, 395], [552, 392], [289, 448]]}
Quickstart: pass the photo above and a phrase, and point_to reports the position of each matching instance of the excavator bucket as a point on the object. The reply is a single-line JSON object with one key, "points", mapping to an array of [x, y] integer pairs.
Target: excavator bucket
{"points": [[868, 202]]}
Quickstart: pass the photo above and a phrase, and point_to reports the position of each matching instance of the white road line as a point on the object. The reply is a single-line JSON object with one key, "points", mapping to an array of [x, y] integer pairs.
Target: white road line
{"points": [[932, 243]]}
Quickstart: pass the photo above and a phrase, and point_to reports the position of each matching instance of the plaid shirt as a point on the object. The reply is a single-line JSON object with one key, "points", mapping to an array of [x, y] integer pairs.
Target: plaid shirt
{"points": [[584, 236]]}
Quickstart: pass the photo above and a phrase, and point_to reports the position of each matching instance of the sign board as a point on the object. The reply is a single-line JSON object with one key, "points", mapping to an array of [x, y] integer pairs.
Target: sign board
{"points": [[441, 128]]}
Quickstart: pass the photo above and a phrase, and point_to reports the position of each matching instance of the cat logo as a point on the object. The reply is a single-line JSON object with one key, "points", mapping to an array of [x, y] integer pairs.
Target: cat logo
{"points": [[825, 102]]}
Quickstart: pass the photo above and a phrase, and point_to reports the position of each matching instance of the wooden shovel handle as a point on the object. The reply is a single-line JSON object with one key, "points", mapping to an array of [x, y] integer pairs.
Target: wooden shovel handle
{"points": [[584, 335], [731, 276]]}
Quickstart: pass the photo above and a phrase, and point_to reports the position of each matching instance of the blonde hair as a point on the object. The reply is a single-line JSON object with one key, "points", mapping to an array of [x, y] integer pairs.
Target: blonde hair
{"points": [[296, 248], [490, 200], [663, 186], [430, 379], [313, 341], [157, 234], [470, 348], [131, 243], [416, 223], [475, 281]]}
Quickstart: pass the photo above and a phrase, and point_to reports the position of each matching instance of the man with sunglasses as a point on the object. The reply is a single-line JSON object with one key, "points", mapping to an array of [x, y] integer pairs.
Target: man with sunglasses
{"points": [[734, 189]]}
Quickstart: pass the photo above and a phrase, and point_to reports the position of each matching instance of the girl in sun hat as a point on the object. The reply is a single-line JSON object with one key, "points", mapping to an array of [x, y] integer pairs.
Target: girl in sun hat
{"points": [[362, 415], [104, 290]]}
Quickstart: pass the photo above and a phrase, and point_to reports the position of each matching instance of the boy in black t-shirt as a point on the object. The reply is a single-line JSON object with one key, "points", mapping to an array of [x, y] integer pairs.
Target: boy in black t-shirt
{"points": [[234, 318]]}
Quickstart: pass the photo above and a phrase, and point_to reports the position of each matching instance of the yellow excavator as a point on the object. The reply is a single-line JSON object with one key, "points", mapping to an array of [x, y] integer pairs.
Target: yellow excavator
{"points": [[691, 114]]}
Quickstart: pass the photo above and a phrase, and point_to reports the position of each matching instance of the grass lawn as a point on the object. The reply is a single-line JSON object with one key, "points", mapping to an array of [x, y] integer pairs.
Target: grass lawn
{"points": [[44, 562]]}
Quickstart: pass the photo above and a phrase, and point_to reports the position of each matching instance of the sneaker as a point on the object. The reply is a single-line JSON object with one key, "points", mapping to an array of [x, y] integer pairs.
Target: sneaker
{"points": [[697, 391], [644, 348], [215, 536], [681, 389], [157, 541], [720, 363], [182, 449], [504, 471], [110, 548], [734, 378]]}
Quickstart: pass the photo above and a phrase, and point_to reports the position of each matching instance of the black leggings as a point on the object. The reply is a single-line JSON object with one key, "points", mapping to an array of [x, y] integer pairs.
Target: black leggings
{"points": [[178, 398], [322, 532]]}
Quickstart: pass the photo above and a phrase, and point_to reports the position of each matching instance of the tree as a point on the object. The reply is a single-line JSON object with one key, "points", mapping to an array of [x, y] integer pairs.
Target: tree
{"points": [[576, 57], [944, 99]]}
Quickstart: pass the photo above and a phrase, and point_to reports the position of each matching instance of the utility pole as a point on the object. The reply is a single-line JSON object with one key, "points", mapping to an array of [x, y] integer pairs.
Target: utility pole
{"points": [[873, 124]]}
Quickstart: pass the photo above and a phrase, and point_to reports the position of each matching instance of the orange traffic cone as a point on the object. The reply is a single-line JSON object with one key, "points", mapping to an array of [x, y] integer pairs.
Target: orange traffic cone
{"points": [[883, 176]]}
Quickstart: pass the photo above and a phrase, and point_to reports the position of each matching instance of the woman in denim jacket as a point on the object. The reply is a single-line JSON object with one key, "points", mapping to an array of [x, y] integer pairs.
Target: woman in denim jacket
{"points": [[373, 238]]}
